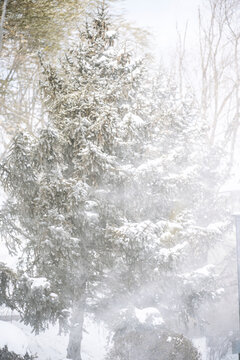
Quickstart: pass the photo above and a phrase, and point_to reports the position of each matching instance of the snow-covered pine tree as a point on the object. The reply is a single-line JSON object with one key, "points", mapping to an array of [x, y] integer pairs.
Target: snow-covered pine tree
{"points": [[185, 202], [63, 184], [174, 218], [110, 204]]}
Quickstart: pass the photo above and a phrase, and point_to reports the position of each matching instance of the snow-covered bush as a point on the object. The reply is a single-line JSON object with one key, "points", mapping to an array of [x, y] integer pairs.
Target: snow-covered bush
{"points": [[7, 282], [5, 354], [134, 340]]}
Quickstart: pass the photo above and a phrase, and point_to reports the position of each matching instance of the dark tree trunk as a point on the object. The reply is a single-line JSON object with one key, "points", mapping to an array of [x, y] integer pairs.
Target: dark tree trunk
{"points": [[76, 329]]}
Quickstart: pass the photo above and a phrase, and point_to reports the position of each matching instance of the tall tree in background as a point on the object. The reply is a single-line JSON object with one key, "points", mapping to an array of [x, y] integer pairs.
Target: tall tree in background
{"points": [[217, 72], [218, 101], [219, 53]]}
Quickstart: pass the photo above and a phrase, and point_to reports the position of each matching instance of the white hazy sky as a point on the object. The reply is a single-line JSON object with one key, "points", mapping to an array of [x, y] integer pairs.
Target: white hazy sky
{"points": [[161, 17]]}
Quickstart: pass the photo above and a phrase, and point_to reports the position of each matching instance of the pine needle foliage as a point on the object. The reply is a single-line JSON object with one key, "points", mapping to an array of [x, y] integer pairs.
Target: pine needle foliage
{"points": [[111, 203]]}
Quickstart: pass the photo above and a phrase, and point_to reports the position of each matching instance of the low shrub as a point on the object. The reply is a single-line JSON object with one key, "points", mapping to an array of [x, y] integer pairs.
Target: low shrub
{"points": [[5, 354], [146, 342]]}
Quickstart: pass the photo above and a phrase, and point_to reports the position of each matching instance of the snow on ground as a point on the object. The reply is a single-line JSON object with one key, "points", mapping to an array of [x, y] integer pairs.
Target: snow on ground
{"points": [[49, 345], [201, 345], [94, 341], [13, 337]]}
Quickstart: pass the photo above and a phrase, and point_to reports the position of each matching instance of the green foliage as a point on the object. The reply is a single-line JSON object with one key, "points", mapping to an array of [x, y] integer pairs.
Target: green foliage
{"points": [[5, 354], [145, 342], [44, 24], [38, 303], [7, 283]]}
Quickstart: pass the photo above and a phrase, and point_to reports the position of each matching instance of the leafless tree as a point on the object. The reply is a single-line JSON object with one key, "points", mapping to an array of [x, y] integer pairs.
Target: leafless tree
{"points": [[217, 80]]}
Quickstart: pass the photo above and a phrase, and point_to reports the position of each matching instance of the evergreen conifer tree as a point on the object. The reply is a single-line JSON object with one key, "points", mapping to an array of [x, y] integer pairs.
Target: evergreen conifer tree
{"points": [[174, 218], [63, 185], [110, 204]]}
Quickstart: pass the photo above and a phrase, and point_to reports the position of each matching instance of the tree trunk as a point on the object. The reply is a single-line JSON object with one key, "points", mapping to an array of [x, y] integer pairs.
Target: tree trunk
{"points": [[2, 22], [76, 329]]}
